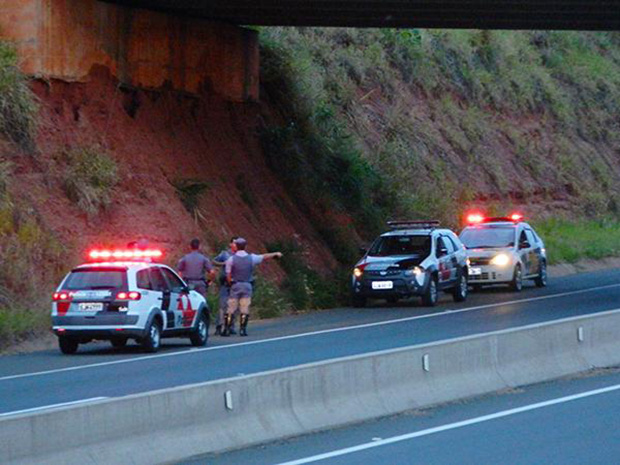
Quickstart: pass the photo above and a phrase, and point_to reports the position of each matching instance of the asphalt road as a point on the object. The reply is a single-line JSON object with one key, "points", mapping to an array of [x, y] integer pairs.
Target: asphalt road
{"points": [[570, 421], [42, 379]]}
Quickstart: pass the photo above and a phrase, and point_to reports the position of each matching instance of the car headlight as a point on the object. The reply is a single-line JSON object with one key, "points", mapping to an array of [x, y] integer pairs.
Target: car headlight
{"points": [[415, 271], [357, 272], [500, 260]]}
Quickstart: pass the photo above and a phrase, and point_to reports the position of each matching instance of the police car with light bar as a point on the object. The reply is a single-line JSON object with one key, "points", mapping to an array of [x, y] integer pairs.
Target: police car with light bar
{"points": [[123, 294], [504, 250], [416, 258]]}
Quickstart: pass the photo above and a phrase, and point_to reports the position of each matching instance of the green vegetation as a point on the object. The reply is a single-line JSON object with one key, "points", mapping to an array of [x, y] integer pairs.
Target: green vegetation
{"points": [[190, 192], [89, 177], [570, 241], [33, 261], [18, 107], [421, 123]]}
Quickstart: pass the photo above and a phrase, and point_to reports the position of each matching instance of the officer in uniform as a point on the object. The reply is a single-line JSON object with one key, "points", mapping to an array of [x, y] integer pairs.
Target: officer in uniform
{"points": [[194, 266], [239, 273], [220, 260]]}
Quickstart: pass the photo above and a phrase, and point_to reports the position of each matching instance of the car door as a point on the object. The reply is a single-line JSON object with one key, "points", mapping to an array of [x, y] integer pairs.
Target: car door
{"points": [[444, 261], [180, 302], [525, 249], [534, 252], [160, 285]]}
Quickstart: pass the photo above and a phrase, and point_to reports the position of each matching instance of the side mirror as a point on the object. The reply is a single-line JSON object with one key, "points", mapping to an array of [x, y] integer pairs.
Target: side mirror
{"points": [[443, 251], [363, 250], [524, 245], [185, 289]]}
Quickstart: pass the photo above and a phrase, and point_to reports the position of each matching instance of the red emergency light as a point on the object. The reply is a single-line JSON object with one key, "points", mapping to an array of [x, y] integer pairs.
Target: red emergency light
{"points": [[516, 217], [475, 218], [121, 255]]}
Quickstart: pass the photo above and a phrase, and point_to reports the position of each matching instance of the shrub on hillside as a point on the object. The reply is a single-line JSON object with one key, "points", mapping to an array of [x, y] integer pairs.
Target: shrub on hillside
{"points": [[89, 177], [18, 107]]}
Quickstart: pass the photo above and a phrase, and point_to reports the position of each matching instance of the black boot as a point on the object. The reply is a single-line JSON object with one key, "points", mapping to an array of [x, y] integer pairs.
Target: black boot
{"points": [[218, 330], [227, 325], [243, 325]]}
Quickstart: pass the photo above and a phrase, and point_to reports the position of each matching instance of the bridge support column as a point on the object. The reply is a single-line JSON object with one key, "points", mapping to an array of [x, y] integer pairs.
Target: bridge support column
{"points": [[65, 39]]}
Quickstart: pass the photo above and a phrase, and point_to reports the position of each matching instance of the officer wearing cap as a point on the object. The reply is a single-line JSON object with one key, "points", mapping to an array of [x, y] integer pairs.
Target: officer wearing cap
{"points": [[239, 273], [194, 267], [220, 260]]}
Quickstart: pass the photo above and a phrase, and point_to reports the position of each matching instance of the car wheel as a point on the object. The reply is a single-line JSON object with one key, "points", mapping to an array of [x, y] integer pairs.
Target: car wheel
{"points": [[68, 345], [118, 342], [358, 302], [431, 296], [152, 339], [541, 280], [517, 279], [200, 334], [460, 290]]}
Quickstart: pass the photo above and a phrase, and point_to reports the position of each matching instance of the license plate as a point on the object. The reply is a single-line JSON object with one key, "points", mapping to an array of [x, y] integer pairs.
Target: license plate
{"points": [[475, 271], [90, 307], [382, 285]]}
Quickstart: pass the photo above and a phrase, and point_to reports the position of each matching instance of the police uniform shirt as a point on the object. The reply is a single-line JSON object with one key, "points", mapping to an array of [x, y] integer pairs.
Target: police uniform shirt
{"points": [[223, 258], [256, 259], [194, 266]]}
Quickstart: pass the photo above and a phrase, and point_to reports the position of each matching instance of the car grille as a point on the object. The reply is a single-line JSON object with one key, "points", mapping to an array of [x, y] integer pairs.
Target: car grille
{"points": [[479, 261], [382, 273], [482, 277]]}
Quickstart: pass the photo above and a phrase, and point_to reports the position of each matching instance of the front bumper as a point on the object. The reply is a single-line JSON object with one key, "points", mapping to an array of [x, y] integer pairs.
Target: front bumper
{"points": [[402, 287], [490, 274]]}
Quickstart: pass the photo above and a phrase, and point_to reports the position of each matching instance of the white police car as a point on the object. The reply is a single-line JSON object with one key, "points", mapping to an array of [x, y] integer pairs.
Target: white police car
{"points": [[504, 250], [122, 295], [416, 258]]}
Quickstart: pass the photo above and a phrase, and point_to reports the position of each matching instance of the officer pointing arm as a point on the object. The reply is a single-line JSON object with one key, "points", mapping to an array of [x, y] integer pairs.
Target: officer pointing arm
{"points": [[239, 274]]}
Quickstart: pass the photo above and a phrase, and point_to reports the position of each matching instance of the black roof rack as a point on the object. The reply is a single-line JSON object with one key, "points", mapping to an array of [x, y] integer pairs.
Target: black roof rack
{"points": [[427, 224]]}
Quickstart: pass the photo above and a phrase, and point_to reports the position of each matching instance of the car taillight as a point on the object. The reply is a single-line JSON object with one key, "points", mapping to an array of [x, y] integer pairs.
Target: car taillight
{"points": [[62, 295], [133, 295]]}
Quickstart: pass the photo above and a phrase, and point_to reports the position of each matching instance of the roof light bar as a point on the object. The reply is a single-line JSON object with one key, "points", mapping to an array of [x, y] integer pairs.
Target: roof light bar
{"points": [[474, 218], [428, 224], [119, 255]]}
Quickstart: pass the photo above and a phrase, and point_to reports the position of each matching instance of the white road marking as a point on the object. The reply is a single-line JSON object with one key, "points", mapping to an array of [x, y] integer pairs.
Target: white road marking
{"points": [[448, 427], [313, 333], [47, 407]]}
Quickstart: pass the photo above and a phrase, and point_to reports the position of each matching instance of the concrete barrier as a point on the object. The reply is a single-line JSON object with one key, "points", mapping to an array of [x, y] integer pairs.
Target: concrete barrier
{"points": [[173, 424]]}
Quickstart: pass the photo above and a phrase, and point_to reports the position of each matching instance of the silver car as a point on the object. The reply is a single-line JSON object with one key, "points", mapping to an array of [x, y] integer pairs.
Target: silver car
{"points": [[504, 250]]}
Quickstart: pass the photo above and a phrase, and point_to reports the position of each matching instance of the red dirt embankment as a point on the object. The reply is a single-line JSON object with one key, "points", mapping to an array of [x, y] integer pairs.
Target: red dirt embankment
{"points": [[158, 138]]}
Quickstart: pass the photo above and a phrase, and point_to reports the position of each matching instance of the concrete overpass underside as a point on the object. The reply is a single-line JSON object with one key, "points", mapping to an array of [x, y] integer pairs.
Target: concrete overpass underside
{"points": [[462, 14]]}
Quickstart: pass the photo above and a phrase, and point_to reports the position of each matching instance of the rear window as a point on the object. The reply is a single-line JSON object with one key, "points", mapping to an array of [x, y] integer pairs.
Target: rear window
{"points": [[96, 278], [401, 245]]}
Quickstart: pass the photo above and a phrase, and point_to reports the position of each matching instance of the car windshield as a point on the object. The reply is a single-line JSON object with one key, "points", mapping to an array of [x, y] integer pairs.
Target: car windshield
{"points": [[401, 245], [92, 279], [488, 238]]}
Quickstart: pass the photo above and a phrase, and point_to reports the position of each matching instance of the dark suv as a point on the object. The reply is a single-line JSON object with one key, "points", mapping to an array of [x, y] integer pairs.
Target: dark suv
{"points": [[416, 258]]}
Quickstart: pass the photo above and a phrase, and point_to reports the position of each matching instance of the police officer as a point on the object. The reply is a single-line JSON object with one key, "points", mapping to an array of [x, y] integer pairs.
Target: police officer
{"points": [[239, 273], [220, 260], [194, 267]]}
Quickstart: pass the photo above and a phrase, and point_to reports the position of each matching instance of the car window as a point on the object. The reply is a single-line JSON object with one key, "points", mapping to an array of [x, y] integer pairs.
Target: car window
{"points": [[158, 281], [96, 278], [482, 237], [401, 245], [174, 282], [143, 280], [522, 237], [440, 244], [530, 237], [449, 244]]}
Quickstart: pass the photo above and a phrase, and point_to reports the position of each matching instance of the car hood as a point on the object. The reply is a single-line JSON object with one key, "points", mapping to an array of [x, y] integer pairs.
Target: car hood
{"points": [[383, 263]]}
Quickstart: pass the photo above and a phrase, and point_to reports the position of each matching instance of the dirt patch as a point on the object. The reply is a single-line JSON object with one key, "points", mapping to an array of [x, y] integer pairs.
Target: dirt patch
{"points": [[159, 139]]}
